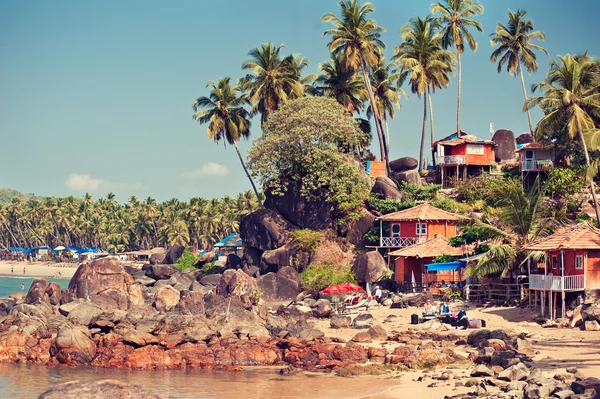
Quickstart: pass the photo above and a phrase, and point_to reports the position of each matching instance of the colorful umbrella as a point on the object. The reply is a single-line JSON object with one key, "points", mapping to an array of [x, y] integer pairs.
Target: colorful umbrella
{"points": [[341, 288]]}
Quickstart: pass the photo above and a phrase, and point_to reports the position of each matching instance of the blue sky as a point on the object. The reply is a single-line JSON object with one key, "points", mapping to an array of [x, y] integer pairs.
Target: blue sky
{"points": [[96, 96]]}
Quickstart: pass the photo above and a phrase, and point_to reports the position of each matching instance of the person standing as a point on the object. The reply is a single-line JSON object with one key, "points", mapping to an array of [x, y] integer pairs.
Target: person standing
{"points": [[378, 295]]}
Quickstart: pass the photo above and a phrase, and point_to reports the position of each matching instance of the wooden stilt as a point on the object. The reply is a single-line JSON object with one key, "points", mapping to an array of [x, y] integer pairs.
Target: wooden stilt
{"points": [[554, 305], [543, 304], [535, 301], [563, 311]]}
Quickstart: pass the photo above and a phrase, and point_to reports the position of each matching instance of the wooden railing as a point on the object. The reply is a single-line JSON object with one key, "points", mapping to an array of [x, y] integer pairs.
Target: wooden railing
{"points": [[533, 165], [450, 160], [397, 242], [556, 283], [495, 292]]}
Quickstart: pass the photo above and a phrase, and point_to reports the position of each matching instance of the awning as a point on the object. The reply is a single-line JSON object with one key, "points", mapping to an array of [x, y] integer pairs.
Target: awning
{"points": [[438, 267], [472, 258], [233, 240]]}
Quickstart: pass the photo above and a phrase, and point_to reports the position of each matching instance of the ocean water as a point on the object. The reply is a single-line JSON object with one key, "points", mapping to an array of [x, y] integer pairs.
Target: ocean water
{"points": [[8, 285]]}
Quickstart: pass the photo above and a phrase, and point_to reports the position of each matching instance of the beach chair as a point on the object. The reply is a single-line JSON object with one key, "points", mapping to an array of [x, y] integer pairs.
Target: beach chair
{"points": [[365, 303]]}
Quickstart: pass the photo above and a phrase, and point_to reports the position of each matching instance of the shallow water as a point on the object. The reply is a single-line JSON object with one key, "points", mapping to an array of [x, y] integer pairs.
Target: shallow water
{"points": [[8, 285], [18, 381]]}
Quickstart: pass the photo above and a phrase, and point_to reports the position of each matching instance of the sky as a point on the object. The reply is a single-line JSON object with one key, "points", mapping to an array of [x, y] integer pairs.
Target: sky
{"points": [[96, 96]]}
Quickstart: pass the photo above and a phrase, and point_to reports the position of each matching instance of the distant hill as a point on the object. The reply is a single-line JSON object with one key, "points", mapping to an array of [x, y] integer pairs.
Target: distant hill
{"points": [[8, 194]]}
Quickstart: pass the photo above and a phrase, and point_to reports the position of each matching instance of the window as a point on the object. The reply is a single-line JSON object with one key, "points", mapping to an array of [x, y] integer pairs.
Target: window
{"points": [[579, 262], [475, 149], [421, 229], [554, 261], [395, 230]]}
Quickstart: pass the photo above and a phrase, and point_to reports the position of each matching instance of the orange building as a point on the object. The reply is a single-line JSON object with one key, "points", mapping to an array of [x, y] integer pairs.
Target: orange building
{"points": [[417, 224], [462, 155], [572, 263]]}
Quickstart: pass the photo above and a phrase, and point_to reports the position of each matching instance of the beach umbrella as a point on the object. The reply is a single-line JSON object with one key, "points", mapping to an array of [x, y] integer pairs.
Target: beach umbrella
{"points": [[350, 287], [59, 248], [341, 288]]}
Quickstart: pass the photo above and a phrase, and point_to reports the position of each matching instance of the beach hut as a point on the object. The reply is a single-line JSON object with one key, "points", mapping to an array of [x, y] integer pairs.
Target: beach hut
{"points": [[42, 251], [571, 265], [232, 243], [535, 160]]}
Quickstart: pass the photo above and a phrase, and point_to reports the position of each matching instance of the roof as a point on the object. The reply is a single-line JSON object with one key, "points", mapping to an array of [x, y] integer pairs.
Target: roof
{"points": [[581, 236], [438, 267], [536, 145], [233, 240], [456, 139], [431, 248], [421, 212]]}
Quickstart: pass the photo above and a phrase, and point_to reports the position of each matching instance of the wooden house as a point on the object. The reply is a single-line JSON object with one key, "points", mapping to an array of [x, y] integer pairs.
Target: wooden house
{"points": [[572, 264], [411, 261], [462, 155], [535, 160], [417, 224]]}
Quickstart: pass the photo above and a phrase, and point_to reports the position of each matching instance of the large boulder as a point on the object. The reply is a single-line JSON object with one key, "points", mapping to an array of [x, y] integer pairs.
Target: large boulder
{"points": [[54, 293], [236, 283], [591, 312], [166, 298], [265, 229], [72, 346], [272, 260], [252, 257], [409, 176], [106, 283], [233, 261], [191, 303], [355, 230], [157, 259], [525, 138], [159, 272], [386, 188], [104, 389], [173, 254], [369, 267], [505, 145], [403, 164], [285, 284], [37, 292]]}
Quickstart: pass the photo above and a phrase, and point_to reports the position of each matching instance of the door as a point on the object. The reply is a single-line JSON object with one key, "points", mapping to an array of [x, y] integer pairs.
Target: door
{"points": [[528, 163], [395, 230]]}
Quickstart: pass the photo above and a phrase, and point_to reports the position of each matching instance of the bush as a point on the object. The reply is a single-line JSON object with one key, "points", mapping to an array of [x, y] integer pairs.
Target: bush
{"points": [[478, 188], [385, 206], [446, 204], [415, 192], [187, 260], [444, 259], [564, 181], [318, 276], [308, 240]]}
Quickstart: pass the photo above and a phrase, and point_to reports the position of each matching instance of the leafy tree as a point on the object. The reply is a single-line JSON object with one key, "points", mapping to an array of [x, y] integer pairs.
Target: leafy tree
{"points": [[515, 48], [227, 118], [339, 81], [454, 15], [309, 143]]}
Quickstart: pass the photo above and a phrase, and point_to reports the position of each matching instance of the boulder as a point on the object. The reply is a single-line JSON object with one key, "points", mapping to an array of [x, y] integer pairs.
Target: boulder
{"points": [[431, 325], [167, 297], [369, 267], [355, 230], [191, 303], [204, 259], [83, 313], [159, 272], [363, 320], [173, 254], [518, 372], [182, 279], [362, 337], [265, 230], [592, 325], [285, 284], [322, 308], [37, 292], [386, 188], [525, 347], [233, 261], [272, 260], [72, 346], [340, 321], [410, 176], [591, 312], [104, 389], [481, 371], [105, 283], [211, 279], [403, 164], [238, 284], [252, 257], [378, 332], [577, 318], [157, 259], [311, 334], [525, 138], [579, 387], [505, 145]]}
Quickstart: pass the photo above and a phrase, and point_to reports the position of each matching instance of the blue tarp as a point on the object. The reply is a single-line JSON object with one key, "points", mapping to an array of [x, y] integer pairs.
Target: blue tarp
{"points": [[438, 267], [368, 167], [233, 240], [21, 249], [42, 247]]}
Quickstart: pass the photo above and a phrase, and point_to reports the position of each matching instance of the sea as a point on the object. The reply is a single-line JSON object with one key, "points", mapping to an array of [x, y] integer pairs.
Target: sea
{"points": [[28, 381]]}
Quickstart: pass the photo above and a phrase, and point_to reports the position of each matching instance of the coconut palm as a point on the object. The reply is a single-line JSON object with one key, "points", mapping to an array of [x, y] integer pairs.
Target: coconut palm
{"points": [[569, 97], [227, 118], [515, 48], [272, 80], [423, 62], [356, 38], [454, 16], [339, 81]]}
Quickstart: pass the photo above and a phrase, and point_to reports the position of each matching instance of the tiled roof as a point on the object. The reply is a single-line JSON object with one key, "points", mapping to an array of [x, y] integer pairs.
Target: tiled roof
{"points": [[581, 236], [421, 212], [536, 145], [431, 248], [456, 139]]}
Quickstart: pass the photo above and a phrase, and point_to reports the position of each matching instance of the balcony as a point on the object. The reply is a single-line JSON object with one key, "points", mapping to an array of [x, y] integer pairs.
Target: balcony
{"points": [[556, 283], [532, 165], [397, 242], [450, 160]]}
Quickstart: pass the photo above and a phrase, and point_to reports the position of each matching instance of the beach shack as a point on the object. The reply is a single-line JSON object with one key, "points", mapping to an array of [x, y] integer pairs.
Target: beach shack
{"points": [[414, 264], [42, 251], [462, 155], [416, 224], [535, 160], [571, 265], [230, 244]]}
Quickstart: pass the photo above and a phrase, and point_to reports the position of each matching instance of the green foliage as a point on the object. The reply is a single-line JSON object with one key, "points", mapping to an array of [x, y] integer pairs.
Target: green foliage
{"points": [[564, 181], [187, 260], [415, 192], [308, 240], [385, 206], [309, 144], [372, 236], [446, 204], [444, 259], [453, 295], [318, 276], [471, 234], [478, 188]]}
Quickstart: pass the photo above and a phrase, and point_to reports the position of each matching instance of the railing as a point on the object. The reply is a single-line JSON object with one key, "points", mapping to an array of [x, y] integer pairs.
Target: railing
{"points": [[450, 160], [495, 292], [531, 164], [556, 283], [397, 242]]}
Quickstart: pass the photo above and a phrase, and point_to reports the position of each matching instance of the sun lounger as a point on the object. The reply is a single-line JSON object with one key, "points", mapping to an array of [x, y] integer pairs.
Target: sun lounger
{"points": [[365, 303]]}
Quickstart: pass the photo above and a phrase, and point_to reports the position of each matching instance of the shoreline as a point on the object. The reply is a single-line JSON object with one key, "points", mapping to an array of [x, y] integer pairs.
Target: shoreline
{"points": [[37, 269]]}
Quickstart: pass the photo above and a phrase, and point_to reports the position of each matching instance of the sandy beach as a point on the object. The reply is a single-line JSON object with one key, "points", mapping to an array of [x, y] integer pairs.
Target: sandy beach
{"points": [[37, 269]]}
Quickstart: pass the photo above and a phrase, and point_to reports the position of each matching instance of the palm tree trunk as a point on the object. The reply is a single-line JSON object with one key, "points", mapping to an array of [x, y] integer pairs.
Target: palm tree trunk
{"points": [[387, 133], [525, 95], [423, 130], [458, 104], [587, 164], [260, 205], [431, 126], [378, 126]]}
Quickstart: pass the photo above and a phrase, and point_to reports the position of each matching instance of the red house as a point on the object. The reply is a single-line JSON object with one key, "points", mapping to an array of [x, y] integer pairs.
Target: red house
{"points": [[572, 263], [417, 224], [462, 155]]}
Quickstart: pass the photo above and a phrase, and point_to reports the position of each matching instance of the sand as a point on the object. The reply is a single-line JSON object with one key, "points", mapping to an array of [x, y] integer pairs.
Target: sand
{"points": [[37, 269]]}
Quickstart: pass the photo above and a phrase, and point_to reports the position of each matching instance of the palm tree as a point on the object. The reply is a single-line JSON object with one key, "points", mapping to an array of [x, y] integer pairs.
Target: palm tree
{"points": [[515, 48], [570, 100], [454, 15], [273, 80], [423, 62], [356, 37], [224, 110], [339, 81]]}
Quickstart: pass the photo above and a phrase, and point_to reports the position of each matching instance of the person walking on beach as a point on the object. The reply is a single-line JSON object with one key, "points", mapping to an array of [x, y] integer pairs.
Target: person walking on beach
{"points": [[23, 270], [22, 287], [12, 269], [378, 295]]}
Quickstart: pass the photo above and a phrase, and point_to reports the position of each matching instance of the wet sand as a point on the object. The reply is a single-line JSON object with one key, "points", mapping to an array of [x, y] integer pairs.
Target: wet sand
{"points": [[37, 269]]}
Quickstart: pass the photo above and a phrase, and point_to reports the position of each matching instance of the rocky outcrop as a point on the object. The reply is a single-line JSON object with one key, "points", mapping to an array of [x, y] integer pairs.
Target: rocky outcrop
{"points": [[104, 389], [355, 230], [386, 188], [37, 292], [525, 138], [265, 230], [157, 259], [369, 267], [236, 283], [173, 254], [73, 346], [285, 284], [159, 272], [410, 176], [105, 283], [505, 145], [403, 164]]}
